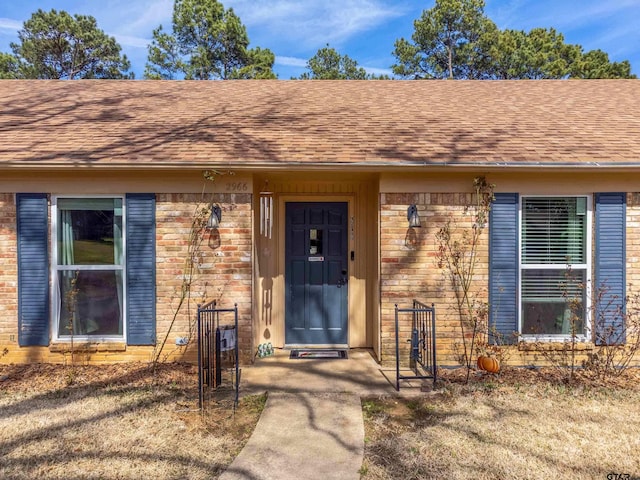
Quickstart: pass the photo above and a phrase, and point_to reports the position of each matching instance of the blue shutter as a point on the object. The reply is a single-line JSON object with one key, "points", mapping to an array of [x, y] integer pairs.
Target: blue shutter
{"points": [[33, 269], [503, 266], [610, 268], [141, 269]]}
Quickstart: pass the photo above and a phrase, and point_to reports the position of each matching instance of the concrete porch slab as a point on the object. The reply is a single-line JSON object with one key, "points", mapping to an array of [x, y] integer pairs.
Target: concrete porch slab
{"points": [[359, 374]]}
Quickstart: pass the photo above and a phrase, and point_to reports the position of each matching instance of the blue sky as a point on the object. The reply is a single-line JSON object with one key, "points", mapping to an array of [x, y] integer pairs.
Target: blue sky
{"points": [[363, 29]]}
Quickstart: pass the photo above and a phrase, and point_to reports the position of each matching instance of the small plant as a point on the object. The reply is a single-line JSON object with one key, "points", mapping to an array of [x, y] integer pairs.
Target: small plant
{"points": [[70, 376], [192, 261], [458, 256], [616, 333], [254, 403], [422, 412], [372, 408], [489, 386], [562, 355], [493, 345], [71, 300]]}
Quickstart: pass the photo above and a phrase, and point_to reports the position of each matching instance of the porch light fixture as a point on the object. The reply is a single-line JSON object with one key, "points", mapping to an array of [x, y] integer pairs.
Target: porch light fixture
{"points": [[413, 217], [214, 217]]}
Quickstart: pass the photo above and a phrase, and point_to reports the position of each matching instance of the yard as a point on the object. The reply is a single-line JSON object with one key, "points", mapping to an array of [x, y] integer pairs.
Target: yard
{"points": [[115, 422], [122, 421], [520, 425]]}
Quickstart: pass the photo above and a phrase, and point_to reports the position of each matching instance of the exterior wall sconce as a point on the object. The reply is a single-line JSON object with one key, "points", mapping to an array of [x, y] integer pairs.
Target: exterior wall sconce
{"points": [[413, 217], [214, 217]]}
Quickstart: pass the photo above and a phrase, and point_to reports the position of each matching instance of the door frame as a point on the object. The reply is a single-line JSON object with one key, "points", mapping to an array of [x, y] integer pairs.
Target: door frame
{"points": [[325, 198]]}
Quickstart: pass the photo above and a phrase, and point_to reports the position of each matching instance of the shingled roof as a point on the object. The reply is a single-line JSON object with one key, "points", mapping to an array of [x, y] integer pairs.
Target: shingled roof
{"points": [[358, 124]]}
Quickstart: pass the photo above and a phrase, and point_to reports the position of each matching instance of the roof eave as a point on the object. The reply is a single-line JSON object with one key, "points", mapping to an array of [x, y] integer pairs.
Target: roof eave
{"points": [[317, 166]]}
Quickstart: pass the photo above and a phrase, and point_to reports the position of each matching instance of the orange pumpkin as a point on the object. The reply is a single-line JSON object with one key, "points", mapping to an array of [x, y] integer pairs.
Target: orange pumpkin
{"points": [[488, 364]]}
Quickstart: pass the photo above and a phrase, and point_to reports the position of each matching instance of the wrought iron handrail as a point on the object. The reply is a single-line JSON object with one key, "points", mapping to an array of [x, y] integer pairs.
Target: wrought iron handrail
{"points": [[210, 339], [422, 358]]}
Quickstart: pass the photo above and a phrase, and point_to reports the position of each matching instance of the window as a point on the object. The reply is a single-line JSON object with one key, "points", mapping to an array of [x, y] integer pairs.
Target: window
{"points": [[554, 265], [88, 267]]}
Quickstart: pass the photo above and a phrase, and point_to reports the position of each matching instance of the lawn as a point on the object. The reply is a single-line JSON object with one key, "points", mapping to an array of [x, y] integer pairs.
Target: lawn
{"points": [[126, 422], [115, 422], [520, 425]]}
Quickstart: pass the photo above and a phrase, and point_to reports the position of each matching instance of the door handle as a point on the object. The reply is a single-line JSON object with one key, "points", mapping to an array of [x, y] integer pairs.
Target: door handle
{"points": [[343, 280]]}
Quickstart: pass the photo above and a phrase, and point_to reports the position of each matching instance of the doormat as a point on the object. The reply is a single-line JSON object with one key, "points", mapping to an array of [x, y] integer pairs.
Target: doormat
{"points": [[324, 354]]}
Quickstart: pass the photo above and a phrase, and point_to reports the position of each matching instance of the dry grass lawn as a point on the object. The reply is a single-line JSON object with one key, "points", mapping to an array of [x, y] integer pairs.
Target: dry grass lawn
{"points": [[124, 422], [115, 422], [517, 426]]}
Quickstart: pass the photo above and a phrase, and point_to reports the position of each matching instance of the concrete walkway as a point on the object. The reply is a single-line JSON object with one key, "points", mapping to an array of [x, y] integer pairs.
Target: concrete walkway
{"points": [[304, 436], [312, 425]]}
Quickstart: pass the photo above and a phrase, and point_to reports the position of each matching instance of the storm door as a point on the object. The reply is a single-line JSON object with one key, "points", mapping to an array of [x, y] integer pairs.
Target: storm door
{"points": [[316, 273]]}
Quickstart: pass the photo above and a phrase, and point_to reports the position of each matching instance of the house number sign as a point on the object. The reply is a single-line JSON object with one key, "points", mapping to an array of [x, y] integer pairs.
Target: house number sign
{"points": [[236, 186]]}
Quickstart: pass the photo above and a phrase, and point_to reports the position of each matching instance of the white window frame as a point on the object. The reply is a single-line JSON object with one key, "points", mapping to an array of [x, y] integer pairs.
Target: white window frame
{"points": [[583, 337], [55, 292]]}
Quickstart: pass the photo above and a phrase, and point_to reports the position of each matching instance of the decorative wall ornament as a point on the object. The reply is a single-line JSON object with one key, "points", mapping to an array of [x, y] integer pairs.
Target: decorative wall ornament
{"points": [[266, 211]]}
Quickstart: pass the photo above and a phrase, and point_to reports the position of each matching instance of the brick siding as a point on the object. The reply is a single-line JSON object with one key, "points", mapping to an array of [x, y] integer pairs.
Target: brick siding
{"points": [[409, 268], [223, 266], [8, 272]]}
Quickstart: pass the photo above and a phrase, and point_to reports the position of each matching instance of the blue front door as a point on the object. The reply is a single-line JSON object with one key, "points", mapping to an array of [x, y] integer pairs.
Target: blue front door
{"points": [[316, 273]]}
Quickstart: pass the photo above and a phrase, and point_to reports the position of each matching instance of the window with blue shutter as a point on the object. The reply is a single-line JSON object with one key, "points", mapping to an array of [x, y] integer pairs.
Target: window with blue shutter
{"points": [[33, 269], [503, 267], [610, 267], [89, 277], [141, 268], [553, 267]]}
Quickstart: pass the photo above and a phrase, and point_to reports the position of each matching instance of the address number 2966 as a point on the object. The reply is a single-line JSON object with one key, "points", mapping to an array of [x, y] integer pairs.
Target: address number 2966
{"points": [[236, 187]]}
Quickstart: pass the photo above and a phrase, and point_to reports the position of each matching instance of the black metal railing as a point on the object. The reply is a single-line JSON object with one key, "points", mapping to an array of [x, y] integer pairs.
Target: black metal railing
{"points": [[422, 355], [217, 348]]}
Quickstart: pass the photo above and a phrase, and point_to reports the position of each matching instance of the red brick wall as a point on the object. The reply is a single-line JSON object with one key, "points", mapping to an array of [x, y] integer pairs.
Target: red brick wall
{"points": [[633, 249], [8, 272], [409, 268], [223, 267], [633, 241]]}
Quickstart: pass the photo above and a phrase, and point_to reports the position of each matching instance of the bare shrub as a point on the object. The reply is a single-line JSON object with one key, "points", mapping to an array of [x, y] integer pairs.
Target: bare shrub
{"points": [[457, 256], [615, 329], [616, 333]]}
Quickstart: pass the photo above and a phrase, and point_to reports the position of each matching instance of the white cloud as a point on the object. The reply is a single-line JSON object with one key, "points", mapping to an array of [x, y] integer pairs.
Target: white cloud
{"points": [[315, 22], [609, 25], [592, 13], [147, 15], [563, 16], [290, 61], [132, 23], [130, 20], [9, 25], [129, 41], [379, 71]]}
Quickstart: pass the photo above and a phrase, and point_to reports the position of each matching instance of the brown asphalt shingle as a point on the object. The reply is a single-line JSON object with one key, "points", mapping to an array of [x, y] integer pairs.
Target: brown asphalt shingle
{"points": [[357, 123]]}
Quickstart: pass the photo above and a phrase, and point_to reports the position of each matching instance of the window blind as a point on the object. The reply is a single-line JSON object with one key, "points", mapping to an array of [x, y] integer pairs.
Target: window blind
{"points": [[553, 230], [556, 286]]}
